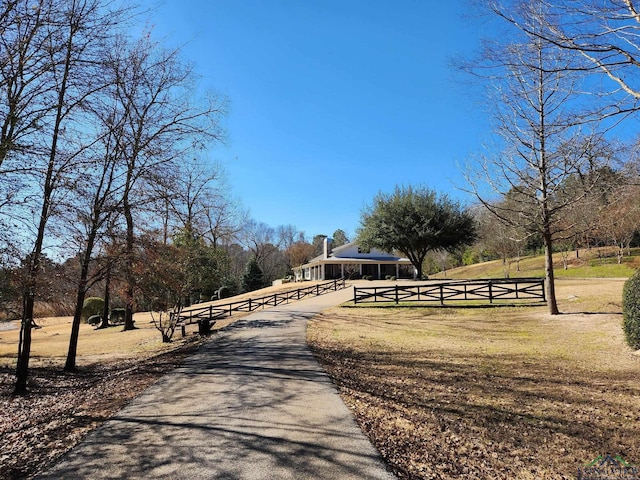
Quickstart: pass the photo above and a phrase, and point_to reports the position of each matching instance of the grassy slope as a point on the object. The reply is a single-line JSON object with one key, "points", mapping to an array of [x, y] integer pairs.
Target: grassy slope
{"points": [[593, 263]]}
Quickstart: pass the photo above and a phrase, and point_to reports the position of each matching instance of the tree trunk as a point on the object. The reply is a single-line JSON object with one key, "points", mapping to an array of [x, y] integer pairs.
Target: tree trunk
{"points": [[70, 364], [24, 348], [129, 277], [24, 344], [418, 267], [107, 297], [81, 293], [549, 276]]}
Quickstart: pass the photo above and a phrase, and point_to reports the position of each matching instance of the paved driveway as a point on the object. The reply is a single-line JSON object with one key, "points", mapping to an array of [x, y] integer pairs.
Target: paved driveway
{"points": [[251, 404]]}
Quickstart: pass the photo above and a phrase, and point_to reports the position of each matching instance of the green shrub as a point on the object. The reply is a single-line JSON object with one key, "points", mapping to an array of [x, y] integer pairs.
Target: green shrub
{"points": [[92, 306], [631, 310], [117, 316], [224, 292]]}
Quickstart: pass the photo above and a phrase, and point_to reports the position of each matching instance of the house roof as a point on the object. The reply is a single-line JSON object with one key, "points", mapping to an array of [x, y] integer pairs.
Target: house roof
{"points": [[348, 253]]}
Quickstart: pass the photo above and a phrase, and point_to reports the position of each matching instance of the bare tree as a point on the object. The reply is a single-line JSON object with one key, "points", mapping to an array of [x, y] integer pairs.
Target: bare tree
{"points": [[501, 239], [70, 43], [605, 34], [224, 221], [259, 238], [27, 99], [25, 73], [95, 205], [189, 193], [162, 124], [620, 219], [538, 117], [287, 237]]}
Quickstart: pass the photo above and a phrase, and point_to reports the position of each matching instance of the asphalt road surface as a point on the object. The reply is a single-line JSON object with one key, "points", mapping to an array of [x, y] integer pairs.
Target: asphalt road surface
{"points": [[253, 403]]}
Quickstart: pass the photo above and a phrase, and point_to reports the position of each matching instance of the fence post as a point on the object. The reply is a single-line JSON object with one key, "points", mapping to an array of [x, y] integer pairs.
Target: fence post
{"points": [[441, 291], [210, 312], [490, 291], [250, 305], [355, 298], [396, 294]]}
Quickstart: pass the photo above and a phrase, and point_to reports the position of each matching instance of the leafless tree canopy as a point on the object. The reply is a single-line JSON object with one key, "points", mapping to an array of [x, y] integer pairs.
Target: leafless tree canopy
{"points": [[548, 134]]}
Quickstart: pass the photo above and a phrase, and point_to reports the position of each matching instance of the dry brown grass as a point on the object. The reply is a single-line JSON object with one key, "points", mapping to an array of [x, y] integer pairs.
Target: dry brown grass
{"points": [[509, 392], [51, 342]]}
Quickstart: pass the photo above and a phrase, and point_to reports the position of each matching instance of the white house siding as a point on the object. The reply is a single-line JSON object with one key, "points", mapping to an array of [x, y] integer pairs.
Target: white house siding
{"points": [[349, 261]]}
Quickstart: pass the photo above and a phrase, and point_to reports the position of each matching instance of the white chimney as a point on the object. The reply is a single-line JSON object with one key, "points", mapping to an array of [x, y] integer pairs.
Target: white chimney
{"points": [[327, 247]]}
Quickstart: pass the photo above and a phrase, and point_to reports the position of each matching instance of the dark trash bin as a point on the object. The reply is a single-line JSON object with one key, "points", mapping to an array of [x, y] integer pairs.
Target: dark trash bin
{"points": [[204, 326]]}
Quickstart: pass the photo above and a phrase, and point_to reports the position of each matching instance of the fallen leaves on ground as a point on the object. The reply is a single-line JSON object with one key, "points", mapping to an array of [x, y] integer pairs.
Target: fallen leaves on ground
{"points": [[61, 408], [438, 406]]}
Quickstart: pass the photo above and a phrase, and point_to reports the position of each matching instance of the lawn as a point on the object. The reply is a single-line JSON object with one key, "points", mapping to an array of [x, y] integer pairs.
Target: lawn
{"points": [[504, 392], [600, 262], [50, 342]]}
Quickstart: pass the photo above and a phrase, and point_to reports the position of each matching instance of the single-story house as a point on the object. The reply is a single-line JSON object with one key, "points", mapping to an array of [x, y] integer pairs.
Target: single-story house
{"points": [[350, 261]]}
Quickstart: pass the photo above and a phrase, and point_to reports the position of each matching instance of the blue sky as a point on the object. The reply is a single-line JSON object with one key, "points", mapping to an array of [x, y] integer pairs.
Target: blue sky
{"points": [[332, 101]]}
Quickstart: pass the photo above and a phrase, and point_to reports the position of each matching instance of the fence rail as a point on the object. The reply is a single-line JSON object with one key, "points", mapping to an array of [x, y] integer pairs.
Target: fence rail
{"points": [[464, 290], [214, 312]]}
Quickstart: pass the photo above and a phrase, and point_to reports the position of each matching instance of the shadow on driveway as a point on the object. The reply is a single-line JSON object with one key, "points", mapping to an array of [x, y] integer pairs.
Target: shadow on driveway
{"points": [[252, 403]]}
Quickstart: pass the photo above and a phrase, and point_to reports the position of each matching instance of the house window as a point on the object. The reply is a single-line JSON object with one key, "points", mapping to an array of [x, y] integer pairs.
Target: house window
{"points": [[370, 270], [387, 270], [332, 272], [352, 270]]}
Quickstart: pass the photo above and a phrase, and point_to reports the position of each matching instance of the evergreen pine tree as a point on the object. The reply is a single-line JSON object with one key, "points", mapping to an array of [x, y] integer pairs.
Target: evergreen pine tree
{"points": [[253, 278]]}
